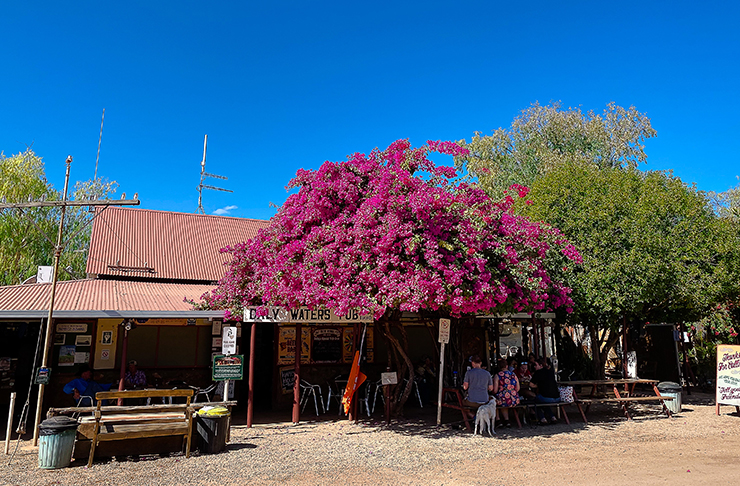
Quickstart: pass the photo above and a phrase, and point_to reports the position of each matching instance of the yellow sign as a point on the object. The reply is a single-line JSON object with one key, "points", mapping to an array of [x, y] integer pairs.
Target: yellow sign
{"points": [[286, 345]]}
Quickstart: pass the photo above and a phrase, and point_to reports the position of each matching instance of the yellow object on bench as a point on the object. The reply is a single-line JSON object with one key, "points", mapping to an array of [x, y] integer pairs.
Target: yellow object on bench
{"points": [[138, 422]]}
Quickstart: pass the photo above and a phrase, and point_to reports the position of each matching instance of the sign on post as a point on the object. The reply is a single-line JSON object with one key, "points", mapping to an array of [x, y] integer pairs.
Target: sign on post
{"points": [[444, 331], [228, 342], [228, 367]]}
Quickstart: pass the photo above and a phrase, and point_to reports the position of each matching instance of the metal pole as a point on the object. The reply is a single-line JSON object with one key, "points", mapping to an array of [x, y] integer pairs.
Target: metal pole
{"points": [[250, 400], [49, 322], [10, 423], [441, 373]]}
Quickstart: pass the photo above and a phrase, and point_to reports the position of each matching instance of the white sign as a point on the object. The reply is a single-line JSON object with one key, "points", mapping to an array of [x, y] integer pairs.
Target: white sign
{"points": [[228, 344], [105, 354], [728, 375], [304, 314], [45, 274], [444, 331], [71, 327], [390, 378]]}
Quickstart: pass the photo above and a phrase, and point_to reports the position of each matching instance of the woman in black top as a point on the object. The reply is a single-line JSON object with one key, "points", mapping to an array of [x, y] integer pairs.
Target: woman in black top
{"points": [[544, 384]]}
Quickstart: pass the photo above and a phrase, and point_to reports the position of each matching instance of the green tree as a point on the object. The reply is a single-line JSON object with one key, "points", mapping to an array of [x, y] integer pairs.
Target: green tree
{"points": [[27, 234], [543, 137], [652, 248]]}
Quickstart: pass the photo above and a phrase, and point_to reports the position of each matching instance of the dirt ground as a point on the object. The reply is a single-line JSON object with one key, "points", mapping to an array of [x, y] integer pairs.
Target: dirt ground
{"points": [[694, 447]]}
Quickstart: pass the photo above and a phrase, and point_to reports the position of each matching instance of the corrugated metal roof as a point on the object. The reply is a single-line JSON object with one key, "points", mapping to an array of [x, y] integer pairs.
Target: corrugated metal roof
{"points": [[152, 244], [102, 298]]}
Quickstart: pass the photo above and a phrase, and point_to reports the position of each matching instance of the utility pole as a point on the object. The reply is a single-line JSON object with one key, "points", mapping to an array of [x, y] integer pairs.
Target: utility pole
{"points": [[58, 248]]}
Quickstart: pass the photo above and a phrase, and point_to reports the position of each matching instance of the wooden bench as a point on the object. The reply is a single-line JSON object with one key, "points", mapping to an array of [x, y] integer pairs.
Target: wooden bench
{"points": [[121, 423], [457, 403]]}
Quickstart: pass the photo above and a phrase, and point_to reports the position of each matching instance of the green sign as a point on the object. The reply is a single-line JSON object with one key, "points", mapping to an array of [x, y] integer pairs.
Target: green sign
{"points": [[228, 367], [42, 376]]}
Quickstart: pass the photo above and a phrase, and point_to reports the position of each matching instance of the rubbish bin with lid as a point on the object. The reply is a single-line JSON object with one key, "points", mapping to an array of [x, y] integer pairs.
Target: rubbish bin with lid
{"points": [[212, 429], [56, 442], [671, 389]]}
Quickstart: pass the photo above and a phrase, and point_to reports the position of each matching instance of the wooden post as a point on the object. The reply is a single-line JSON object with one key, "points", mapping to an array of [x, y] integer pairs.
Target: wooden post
{"points": [[441, 385], [250, 399], [10, 423], [297, 370]]}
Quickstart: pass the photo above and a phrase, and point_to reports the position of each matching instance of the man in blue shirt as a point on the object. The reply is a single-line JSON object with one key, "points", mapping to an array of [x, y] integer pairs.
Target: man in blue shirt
{"points": [[84, 387], [478, 383]]}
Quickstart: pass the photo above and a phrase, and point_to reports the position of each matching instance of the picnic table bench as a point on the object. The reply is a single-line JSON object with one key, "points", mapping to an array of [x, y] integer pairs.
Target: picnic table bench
{"points": [[624, 398]]}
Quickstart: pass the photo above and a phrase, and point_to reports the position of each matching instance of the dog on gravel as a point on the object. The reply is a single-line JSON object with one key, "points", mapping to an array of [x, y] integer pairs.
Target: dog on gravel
{"points": [[485, 418]]}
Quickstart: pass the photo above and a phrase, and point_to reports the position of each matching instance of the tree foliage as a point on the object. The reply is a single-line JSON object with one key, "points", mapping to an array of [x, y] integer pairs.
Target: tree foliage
{"points": [[27, 234], [652, 248], [543, 137]]}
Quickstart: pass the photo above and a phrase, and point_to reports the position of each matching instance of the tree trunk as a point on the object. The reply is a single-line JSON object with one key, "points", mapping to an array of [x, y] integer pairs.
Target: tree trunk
{"points": [[402, 393]]}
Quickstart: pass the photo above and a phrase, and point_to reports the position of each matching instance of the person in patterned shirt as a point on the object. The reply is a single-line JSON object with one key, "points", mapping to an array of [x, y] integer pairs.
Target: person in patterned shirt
{"points": [[506, 390], [134, 378]]}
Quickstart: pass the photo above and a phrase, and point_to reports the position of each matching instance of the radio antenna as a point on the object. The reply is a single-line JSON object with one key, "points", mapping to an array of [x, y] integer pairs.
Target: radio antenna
{"points": [[203, 175], [102, 119]]}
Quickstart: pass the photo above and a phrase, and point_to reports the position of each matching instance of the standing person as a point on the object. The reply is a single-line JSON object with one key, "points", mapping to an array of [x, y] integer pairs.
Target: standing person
{"points": [[83, 388], [506, 390], [544, 383], [478, 383]]}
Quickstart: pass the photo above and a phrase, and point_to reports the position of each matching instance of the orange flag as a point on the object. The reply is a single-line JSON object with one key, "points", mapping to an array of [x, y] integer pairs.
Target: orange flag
{"points": [[356, 378]]}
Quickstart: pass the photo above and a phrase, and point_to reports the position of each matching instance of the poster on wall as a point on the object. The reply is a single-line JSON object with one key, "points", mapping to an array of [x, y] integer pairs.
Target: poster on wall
{"points": [[728, 374], [347, 346], [326, 345], [287, 378], [67, 356], [286, 345]]}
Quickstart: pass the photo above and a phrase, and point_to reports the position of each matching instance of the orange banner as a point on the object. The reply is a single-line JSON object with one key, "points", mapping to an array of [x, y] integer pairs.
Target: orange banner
{"points": [[356, 378]]}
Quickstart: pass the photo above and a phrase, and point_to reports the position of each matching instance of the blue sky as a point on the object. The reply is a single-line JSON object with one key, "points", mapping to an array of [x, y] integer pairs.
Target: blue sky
{"points": [[279, 86]]}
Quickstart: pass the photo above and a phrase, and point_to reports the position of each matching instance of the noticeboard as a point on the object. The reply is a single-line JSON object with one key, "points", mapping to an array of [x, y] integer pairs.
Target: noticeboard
{"points": [[728, 374], [228, 367], [326, 346]]}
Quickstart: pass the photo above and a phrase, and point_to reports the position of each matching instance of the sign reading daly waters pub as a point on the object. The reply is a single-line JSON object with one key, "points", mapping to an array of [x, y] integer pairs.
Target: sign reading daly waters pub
{"points": [[728, 375], [304, 314]]}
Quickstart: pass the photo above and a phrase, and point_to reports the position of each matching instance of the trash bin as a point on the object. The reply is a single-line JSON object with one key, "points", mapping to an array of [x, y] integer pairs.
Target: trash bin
{"points": [[671, 389], [212, 429], [56, 442]]}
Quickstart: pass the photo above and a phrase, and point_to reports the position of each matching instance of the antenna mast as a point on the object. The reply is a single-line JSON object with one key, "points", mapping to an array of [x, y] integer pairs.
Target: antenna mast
{"points": [[102, 119], [203, 175]]}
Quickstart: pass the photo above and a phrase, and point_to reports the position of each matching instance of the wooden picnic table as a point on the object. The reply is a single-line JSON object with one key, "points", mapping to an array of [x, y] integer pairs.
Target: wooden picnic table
{"points": [[623, 399]]}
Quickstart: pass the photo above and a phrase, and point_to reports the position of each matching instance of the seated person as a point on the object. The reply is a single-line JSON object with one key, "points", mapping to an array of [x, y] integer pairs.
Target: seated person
{"points": [[83, 388], [524, 376], [544, 383], [478, 383], [506, 390], [134, 378]]}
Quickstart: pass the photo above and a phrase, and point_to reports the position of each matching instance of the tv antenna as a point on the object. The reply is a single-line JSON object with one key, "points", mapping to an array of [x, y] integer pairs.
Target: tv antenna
{"points": [[203, 175]]}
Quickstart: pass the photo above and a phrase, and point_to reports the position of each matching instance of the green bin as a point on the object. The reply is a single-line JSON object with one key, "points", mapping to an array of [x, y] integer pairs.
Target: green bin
{"points": [[56, 442], [671, 389]]}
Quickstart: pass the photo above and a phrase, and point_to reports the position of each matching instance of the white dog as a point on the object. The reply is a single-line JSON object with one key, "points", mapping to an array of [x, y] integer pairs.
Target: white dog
{"points": [[486, 418]]}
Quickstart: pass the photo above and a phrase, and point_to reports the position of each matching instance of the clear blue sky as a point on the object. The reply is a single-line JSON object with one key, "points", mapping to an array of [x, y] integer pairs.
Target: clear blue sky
{"points": [[279, 86]]}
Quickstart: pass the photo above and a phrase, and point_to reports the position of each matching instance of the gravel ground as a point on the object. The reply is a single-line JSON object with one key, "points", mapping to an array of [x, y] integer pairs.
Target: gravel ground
{"points": [[694, 447]]}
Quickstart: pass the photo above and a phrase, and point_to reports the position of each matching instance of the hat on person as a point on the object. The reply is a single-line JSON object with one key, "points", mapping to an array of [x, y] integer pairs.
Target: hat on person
{"points": [[133, 362]]}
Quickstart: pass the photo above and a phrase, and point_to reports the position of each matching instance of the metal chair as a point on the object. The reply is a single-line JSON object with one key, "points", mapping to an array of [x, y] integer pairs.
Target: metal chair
{"points": [[336, 393], [197, 391], [309, 389]]}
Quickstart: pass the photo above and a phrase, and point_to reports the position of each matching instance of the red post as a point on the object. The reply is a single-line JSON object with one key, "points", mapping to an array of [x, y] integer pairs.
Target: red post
{"points": [[250, 400], [124, 365], [297, 382]]}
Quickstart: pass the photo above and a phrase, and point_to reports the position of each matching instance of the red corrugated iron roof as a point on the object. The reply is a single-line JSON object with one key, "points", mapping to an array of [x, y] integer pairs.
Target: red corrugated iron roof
{"points": [[100, 297], [152, 244]]}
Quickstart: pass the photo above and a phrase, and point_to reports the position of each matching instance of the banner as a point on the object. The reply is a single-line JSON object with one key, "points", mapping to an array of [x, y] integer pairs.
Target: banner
{"points": [[728, 375], [356, 378]]}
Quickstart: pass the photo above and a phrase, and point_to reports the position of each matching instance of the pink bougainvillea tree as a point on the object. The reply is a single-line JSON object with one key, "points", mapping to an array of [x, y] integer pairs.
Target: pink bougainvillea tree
{"points": [[390, 232]]}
